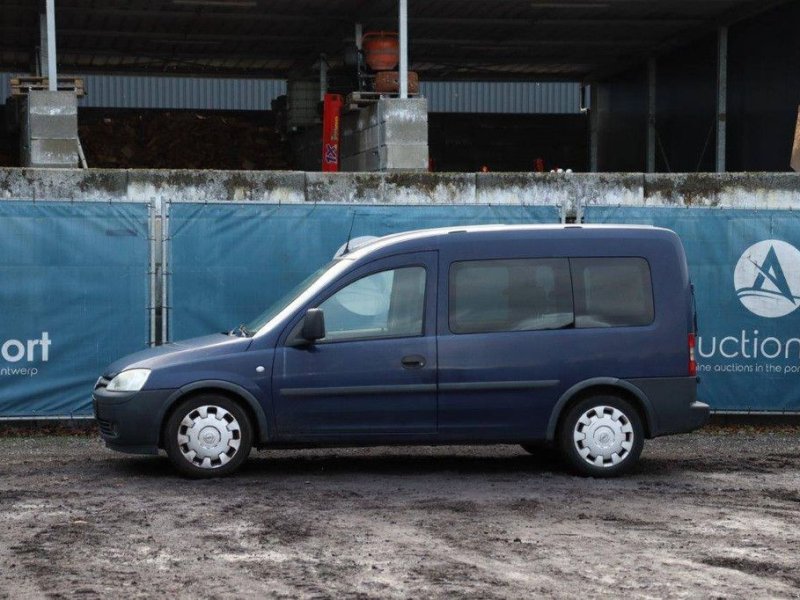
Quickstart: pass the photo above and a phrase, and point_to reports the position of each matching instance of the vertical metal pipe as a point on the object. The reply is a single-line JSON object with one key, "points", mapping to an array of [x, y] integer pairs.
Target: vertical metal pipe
{"points": [[41, 64], [594, 126], [651, 115], [722, 96], [52, 72], [323, 76], [151, 222], [359, 33], [165, 308], [403, 48]]}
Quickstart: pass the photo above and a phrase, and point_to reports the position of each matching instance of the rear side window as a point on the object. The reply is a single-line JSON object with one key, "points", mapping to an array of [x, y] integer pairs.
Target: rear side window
{"points": [[510, 295], [612, 292]]}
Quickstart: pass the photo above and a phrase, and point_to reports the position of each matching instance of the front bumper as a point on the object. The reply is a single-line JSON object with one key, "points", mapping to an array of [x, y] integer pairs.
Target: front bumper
{"points": [[130, 422]]}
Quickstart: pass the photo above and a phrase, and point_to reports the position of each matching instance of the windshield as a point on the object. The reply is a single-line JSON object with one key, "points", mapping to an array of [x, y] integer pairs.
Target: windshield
{"points": [[281, 303]]}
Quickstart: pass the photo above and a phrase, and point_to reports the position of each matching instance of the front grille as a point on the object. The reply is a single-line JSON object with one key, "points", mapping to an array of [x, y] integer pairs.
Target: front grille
{"points": [[107, 427]]}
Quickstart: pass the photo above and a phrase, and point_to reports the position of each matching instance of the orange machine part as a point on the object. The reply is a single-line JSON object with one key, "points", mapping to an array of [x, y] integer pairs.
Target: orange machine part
{"points": [[381, 50]]}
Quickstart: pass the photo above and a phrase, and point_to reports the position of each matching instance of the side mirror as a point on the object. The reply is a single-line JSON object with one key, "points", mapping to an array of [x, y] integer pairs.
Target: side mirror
{"points": [[313, 325]]}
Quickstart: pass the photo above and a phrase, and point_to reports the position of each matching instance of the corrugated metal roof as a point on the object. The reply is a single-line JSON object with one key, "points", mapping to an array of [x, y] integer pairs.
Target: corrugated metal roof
{"points": [[205, 93], [502, 97], [448, 39], [131, 91]]}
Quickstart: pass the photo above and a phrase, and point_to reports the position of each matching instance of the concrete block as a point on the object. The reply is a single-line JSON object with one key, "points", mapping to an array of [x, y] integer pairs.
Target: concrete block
{"points": [[279, 187], [362, 161], [52, 115], [57, 153], [49, 130], [593, 188], [512, 188], [408, 132], [725, 190], [366, 188], [407, 157], [108, 185], [429, 188], [679, 189], [759, 190], [402, 110]]}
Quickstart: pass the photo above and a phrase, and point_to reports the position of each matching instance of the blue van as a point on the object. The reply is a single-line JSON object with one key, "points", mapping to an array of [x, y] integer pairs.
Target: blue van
{"points": [[577, 337]]}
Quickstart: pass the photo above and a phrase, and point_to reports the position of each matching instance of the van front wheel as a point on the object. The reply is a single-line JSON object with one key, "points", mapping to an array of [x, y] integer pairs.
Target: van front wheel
{"points": [[208, 436], [601, 436]]}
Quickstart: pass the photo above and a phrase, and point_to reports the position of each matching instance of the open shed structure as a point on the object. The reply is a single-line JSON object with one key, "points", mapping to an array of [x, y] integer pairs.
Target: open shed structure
{"points": [[638, 85]]}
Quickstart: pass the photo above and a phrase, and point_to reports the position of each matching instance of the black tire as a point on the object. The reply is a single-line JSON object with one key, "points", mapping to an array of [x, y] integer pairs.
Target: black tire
{"points": [[225, 421], [623, 436]]}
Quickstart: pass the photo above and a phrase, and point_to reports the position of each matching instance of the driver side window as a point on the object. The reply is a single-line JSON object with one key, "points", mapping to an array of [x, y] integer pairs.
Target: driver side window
{"points": [[386, 304]]}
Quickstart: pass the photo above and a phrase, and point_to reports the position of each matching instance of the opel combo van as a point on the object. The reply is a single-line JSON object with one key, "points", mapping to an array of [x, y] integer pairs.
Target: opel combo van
{"points": [[576, 337]]}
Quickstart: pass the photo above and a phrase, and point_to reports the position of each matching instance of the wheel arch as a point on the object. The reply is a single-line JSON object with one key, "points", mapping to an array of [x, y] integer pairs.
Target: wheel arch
{"points": [[230, 390], [600, 385]]}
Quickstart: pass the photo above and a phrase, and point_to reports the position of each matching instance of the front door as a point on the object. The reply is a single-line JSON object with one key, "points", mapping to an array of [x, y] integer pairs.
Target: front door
{"points": [[374, 373]]}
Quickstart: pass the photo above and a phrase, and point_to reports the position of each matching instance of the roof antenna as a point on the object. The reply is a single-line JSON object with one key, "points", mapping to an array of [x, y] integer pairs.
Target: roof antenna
{"points": [[349, 234]]}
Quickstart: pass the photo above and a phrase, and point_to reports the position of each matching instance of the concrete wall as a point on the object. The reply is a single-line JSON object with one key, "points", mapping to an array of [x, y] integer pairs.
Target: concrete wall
{"points": [[740, 190]]}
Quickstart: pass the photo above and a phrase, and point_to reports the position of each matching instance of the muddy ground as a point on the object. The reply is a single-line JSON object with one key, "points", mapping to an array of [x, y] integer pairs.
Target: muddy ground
{"points": [[713, 514]]}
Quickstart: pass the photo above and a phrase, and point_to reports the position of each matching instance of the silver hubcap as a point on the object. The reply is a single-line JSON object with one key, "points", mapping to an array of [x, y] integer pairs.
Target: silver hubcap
{"points": [[603, 436], [209, 437]]}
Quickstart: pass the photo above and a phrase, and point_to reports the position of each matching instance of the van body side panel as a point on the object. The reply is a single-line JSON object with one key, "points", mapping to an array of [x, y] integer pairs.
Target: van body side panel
{"points": [[674, 404], [505, 385]]}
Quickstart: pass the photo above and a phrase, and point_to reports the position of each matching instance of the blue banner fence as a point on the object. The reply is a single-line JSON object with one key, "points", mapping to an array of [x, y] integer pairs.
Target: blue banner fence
{"points": [[74, 294], [228, 262], [745, 266], [79, 289]]}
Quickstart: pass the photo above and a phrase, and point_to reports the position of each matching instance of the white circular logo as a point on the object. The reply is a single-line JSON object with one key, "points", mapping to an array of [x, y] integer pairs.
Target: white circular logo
{"points": [[767, 278]]}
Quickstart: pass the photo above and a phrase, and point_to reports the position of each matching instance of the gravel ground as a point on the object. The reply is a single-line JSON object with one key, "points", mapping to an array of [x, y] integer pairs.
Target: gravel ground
{"points": [[715, 513]]}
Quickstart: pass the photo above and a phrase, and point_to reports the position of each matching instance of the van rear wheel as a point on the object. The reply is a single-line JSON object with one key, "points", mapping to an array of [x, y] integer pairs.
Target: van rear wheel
{"points": [[601, 436], [208, 436]]}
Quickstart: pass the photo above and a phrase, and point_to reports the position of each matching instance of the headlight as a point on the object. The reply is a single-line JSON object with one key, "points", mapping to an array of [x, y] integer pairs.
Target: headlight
{"points": [[129, 381]]}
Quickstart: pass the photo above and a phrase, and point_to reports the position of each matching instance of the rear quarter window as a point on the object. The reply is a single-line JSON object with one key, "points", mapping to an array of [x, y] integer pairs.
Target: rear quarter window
{"points": [[612, 292]]}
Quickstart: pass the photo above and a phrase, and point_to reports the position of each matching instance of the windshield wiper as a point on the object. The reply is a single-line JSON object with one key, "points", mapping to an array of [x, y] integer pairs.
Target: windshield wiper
{"points": [[241, 331]]}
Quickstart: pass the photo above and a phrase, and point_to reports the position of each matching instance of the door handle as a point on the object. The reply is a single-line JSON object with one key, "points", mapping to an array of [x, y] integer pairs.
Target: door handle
{"points": [[413, 361]]}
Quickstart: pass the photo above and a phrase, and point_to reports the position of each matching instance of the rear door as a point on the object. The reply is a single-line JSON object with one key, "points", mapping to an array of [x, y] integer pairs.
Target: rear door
{"points": [[505, 339]]}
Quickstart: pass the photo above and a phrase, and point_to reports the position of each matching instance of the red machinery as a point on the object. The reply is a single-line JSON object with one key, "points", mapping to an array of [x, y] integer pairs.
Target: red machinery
{"points": [[381, 52], [331, 113]]}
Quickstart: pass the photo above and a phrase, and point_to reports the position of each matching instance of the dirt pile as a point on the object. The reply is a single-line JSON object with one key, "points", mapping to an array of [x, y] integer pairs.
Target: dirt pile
{"points": [[181, 140]]}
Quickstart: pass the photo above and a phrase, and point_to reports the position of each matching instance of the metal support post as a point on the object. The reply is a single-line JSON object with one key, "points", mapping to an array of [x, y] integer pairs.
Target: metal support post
{"points": [[651, 115], [41, 63], [52, 72], [403, 48], [323, 76], [165, 274], [722, 96], [594, 126], [151, 228]]}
